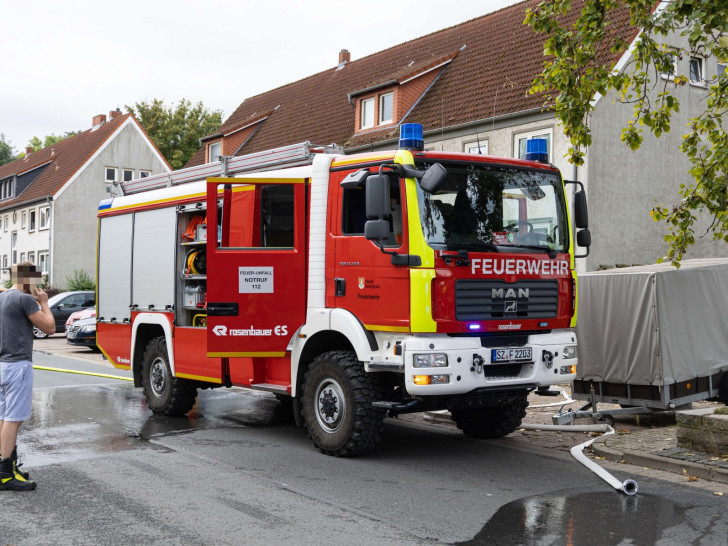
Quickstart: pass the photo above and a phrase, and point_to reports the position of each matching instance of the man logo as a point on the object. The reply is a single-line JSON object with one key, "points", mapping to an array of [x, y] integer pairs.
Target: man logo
{"points": [[220, 330], [510, 307], [361, 283]]}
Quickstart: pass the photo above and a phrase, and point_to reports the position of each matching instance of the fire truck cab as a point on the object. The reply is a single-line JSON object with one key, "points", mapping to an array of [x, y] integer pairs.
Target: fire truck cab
{"points": [[352, 288]]}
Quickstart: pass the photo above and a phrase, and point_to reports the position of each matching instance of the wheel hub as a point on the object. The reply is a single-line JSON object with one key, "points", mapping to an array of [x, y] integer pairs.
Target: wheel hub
{"points": [[331, 405], [158, 377]]}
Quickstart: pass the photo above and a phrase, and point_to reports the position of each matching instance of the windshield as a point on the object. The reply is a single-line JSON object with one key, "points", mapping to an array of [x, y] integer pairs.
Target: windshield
{"points": [[492, 208]]}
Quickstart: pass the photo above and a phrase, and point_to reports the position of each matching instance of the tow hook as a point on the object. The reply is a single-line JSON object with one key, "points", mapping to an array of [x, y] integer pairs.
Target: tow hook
{"points": [[548, 359], [477, 364]]}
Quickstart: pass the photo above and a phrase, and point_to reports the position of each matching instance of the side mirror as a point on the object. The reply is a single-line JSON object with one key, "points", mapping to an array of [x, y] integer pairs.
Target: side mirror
{"points": [[376, 230], [434, 178], [581, 214], [583, 238], [59, 306], [377, 197]]}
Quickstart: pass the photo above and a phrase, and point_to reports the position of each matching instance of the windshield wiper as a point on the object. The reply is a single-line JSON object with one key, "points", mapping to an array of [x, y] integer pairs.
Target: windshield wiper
{"points": [[551, 251]]}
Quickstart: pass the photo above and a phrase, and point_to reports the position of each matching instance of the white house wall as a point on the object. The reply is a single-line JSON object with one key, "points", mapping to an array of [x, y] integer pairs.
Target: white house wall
{"points": [[74, 210]]}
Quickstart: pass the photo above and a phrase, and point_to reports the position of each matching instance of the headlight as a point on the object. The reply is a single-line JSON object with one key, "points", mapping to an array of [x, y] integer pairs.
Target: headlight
{"points": [[430, 360], [569, 352], [88, 329]]}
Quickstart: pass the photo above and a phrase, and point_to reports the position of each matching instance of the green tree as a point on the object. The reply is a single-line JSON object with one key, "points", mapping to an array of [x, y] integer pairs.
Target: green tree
{"points": [[575, 72], [6, 150], [80, 280], [176, 130]]}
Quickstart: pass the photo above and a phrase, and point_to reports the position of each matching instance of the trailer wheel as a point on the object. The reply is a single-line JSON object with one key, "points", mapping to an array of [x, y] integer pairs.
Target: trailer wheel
{"points": [[493, 421], [337, 405], [165, 394]]}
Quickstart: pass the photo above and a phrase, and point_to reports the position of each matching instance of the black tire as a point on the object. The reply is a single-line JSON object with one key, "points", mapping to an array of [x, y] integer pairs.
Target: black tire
{"points": [[165, 394], [493, 421], [38, 333], [337, 405]]}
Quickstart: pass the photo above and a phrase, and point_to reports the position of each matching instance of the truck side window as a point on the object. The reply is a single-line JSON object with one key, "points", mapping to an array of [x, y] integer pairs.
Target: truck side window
{"points": [[353, 215], [260, 217]]}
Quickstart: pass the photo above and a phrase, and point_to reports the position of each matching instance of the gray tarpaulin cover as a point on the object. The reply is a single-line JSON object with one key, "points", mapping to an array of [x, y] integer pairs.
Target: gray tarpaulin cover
{"points": [[655, 324]]}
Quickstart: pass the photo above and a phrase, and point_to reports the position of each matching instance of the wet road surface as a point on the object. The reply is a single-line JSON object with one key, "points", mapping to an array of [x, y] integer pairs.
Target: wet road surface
{"points": [[237, 471]]}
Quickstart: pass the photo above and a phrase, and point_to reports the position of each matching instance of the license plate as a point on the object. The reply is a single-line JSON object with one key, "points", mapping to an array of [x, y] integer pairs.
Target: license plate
{"points": [[511, 354]]}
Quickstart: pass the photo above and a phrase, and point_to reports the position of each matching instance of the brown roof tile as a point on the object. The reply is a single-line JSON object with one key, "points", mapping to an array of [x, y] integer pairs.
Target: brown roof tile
{"points": [[489, 77], [65, 158]]}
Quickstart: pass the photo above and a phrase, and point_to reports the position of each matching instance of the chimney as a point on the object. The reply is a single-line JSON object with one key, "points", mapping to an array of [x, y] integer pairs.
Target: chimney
{"points": [[113, 114], [344, 56], [29, 150], [98, 120]]}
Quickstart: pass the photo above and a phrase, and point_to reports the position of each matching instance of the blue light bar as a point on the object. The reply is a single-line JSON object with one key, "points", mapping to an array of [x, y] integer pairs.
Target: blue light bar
{"points": [[473, 326], [105, 204], [410, 137], [537, 150]]}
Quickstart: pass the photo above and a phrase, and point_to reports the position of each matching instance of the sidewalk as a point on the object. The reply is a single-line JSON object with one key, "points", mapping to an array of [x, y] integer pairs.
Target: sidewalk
{"points": [[644, 440]]}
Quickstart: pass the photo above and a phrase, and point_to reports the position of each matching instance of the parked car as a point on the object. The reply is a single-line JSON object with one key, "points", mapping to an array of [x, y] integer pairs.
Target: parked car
{"points": [[63, 305], [82, 332], [78, 315]]}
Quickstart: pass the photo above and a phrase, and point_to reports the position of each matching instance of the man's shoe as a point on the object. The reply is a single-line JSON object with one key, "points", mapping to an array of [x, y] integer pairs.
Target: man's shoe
{"points": [[17, 464], [11, 480]]}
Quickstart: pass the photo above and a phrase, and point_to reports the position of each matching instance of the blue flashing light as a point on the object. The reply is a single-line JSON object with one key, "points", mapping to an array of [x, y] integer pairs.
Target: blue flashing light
{"points": [[537, 150], [473, 326], [105, 204], [410, 137]]}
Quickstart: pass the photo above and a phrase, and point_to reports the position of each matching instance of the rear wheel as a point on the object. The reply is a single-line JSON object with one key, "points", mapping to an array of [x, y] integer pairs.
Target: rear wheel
{"points": [[493, 421], [337, 405], [165, 394]]}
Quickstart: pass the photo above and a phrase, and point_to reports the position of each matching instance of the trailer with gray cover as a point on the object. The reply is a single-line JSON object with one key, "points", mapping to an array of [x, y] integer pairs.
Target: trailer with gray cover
{"points": [[651, 338]]}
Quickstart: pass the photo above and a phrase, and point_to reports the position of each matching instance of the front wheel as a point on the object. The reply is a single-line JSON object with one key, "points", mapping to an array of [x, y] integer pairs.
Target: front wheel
{"points": [[165, 394], [337, 405], [38, 333], [494, 421]]}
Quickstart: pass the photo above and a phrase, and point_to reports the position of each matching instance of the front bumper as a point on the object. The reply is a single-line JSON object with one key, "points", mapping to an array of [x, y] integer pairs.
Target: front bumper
{"points": [[470, 365]]}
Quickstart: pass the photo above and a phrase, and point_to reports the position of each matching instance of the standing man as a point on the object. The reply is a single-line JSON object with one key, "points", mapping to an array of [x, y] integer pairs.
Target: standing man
{"points": [[21, 308]]}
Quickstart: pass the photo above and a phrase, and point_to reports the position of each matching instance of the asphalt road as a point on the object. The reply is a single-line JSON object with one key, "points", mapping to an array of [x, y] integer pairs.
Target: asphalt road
{"points": [[235, 471]]}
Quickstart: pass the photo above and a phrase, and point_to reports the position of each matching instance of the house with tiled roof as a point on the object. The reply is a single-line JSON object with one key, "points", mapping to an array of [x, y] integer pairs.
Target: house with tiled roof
{"points": [[49, 198], [468, 86]]}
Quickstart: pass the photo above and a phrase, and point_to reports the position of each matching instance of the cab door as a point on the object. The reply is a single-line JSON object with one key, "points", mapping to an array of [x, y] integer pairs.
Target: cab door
{"points": [[256, 265]]}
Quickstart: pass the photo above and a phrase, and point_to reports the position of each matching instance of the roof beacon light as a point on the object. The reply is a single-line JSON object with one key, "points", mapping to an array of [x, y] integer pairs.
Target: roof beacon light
{"points": [[410, 137], [537, 150]]}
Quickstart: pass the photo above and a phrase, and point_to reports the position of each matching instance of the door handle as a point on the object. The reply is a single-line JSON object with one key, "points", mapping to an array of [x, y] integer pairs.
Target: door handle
{"points": [[339, 287], [223, 309]]}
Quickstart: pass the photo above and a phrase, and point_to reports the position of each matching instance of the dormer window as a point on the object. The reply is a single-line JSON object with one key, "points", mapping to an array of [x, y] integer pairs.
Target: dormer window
{"points": [[386, 108], [367, 113], [7, 189]]}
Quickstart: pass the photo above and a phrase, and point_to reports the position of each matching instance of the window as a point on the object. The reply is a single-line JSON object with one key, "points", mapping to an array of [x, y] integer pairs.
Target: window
{"points": [[6, 189], [367, 113], [14, 247], [22, 257], [6, 222], [24, 220], [31, 257], [696, 70], [214, 151], [31, 223], [5, 260], [475, 148], [44, 219], [128, 174], [522, 138], [111, 174], [43, 262], [144, 174], [354, 215], [386, 108]]}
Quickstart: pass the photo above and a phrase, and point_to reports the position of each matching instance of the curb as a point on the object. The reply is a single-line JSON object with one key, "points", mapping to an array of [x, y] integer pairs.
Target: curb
{"points": [[657, 462]]}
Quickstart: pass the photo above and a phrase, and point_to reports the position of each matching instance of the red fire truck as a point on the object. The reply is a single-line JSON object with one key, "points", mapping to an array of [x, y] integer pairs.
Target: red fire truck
{"points": [[351, 286]]}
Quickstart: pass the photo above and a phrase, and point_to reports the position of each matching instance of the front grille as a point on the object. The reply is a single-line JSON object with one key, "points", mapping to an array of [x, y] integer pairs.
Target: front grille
{"points": [[73, 328], [484, 299], [504, 340]]}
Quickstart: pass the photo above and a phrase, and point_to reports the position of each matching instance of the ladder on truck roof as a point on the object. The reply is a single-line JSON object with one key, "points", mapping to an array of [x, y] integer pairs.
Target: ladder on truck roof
{"points": [[293, 155]]}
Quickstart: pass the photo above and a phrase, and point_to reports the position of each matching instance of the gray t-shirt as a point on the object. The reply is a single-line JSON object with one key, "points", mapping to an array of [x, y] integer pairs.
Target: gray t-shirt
{"points": [[16, 329]]}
